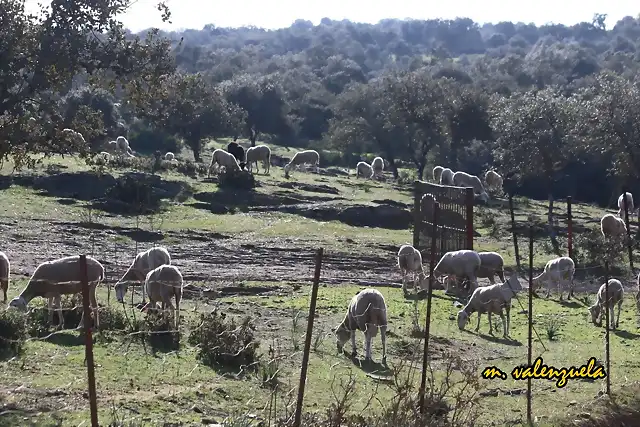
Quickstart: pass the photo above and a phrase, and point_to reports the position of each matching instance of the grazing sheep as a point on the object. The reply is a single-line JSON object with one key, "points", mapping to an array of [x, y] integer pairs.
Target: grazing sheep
{"points": [[162, 283], [259, 153], [410, 261], [5, 272], [493, 180], [616, 295], [169, 156], [364, 169], [612, 227], [58, 277], [76, 136], [102, 158], [221, 158], [142, 264], [237, 151], [378, 166], [621, 205], [446, 177], [463, 179], [303, 157], [462, 263], [437, 173], [492, 299], [491, 263], [367, 311], [123, 146], [557, 271]]}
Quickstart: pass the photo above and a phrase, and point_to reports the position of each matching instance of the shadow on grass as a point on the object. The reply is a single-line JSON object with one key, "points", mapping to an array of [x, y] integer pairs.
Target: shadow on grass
{"points": [[495, 339], [68, 338], [371, 367], [626, 335]]}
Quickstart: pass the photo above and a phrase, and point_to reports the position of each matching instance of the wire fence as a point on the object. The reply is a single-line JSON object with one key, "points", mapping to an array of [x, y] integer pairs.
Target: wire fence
{"points": [[169, 294]]}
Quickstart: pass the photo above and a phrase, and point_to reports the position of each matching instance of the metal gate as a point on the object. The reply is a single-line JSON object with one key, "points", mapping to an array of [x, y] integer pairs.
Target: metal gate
{"points": [[455, 219]]}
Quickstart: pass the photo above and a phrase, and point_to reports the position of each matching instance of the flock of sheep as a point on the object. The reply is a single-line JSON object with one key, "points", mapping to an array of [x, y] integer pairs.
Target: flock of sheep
{"points": [[161, 280], [368, 311]]}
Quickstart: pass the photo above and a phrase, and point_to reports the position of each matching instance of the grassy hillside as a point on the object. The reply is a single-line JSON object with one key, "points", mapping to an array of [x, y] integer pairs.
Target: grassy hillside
{"points": [[251, 254]]}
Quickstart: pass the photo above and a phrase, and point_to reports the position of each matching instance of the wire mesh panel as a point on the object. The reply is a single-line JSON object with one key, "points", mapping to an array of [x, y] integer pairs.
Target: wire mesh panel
{"points": [[455, 218]]}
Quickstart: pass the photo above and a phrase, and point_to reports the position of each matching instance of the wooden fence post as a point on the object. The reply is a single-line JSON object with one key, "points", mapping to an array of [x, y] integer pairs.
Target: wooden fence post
{"points": [[307, 339], [469, 208], [606, 339], [513, 231], [88, 346], [569, 228], [432, 266]]}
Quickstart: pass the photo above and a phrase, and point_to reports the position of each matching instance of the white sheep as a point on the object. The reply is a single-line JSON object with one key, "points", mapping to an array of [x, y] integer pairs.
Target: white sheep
{"points": [[492, 299], [259, 153], [446, 177], [310, 157], [410, 262], [364, 169], [629, 205], [162, 283], [123, 146], [612, 227], [169, 156], [378, 167], [75, 136], [462, 263], [142, 264], [491, 263], [437, 173], [222, 158], [493, 180], [463, 179], [367, 311], [5, 272], [58, 277], [558, 271], [102, 158], [616, 295]]}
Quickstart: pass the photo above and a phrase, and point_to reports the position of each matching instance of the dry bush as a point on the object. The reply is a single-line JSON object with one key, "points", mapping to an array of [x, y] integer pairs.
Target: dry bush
{"points": [[13, 332]]}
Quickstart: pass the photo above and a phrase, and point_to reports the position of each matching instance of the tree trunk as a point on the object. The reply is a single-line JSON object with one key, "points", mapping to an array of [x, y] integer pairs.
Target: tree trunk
{"points": [[550, 227], [393, 167], [253, 136], [421, 167], [196, 147]]}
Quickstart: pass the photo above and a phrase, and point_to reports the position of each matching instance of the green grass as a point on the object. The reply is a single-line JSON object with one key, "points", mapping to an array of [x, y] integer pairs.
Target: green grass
{"points": [[135, 384]]}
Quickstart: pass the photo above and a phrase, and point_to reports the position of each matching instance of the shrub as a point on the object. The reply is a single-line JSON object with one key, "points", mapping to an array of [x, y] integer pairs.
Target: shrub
{"points": [[221, 342], [239, 180], [13, 332], [149, 140]]}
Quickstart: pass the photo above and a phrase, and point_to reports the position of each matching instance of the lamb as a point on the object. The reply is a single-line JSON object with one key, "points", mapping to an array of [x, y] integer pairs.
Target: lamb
{"points": [[621, 205], [491, 263], [142, 264], [446, 177], [237, 151], [5, 272], [364, 169], [463, 179], [169, 156], [259, 153], [461, 263], [437, 173], [58, 277], [303, 157], [367, 311], [410, 261], [493, 180], [616, 295], [162, 283], [613, 227], [378, 166], [123, 146], [557, 271], [224, 159], [492, 299]]}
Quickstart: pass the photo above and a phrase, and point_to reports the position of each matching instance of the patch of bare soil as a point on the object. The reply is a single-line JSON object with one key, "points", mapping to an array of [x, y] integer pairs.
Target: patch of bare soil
{"points": [[26, 401]]}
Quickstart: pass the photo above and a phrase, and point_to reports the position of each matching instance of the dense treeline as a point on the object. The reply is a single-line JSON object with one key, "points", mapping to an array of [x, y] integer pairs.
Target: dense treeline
{"points": [[553, 108]]}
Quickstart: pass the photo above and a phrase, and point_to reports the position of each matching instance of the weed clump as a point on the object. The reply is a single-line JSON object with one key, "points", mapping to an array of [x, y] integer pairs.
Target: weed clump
{"points": [[13, 332], [222, 342], [239, 180]]}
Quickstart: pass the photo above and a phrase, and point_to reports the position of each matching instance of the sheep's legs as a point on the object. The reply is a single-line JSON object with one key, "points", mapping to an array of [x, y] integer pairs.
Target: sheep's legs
{"points": [[618, 318], [354, 351], [367, 345], [490, 324], [383, 338], [478, 325], [507, 328]]}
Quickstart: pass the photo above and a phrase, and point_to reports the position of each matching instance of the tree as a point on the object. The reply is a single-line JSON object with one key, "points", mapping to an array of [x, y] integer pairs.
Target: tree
{"points": [[192, 108], [40, 55]]}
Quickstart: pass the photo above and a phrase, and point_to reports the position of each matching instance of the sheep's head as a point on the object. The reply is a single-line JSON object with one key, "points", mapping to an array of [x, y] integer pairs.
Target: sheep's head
{"points": [[121, 291], [484, 197], [342, 336], [594, 310], [19, 303], [463, 319], [286, 170]]}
